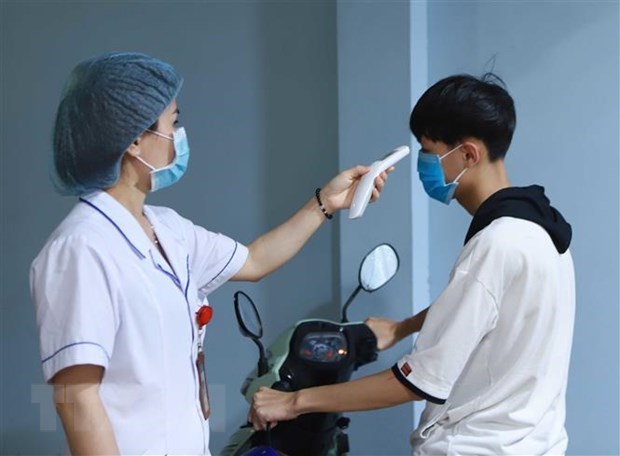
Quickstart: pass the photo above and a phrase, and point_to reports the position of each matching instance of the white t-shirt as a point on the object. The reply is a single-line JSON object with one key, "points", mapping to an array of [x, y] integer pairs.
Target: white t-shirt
{"points": [[494, 350], [104, 295]]}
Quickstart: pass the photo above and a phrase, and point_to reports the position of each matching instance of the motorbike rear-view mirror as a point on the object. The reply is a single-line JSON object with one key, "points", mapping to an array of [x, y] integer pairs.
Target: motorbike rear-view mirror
{"points": [[247, 315], [378, 267], [251, 326]]}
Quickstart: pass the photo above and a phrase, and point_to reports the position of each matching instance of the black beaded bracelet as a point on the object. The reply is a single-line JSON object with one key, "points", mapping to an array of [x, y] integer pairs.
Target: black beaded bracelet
{"points": [[317, 193]]}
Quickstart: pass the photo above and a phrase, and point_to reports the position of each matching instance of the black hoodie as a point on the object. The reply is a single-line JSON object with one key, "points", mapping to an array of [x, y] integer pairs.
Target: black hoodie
{"points": [[527, 203]]}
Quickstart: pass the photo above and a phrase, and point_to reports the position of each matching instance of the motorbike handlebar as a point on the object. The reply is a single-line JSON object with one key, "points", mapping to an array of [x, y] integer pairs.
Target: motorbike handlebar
{"points": [[366, 347], [282, 385]]}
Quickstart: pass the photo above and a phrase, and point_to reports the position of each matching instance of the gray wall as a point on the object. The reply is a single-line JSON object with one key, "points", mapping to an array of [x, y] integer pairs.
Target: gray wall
{"points": [[560, 61]]}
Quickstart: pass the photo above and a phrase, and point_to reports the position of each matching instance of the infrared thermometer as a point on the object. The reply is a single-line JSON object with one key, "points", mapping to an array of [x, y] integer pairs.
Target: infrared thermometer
{"points": [[363, 192]]}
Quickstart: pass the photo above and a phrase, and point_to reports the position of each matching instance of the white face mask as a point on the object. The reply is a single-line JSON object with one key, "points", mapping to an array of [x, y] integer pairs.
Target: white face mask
{"points": [[170, 174]]}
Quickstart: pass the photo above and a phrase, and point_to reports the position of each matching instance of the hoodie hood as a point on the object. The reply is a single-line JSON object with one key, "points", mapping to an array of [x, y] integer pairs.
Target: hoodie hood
{"points": [[527, 203]]}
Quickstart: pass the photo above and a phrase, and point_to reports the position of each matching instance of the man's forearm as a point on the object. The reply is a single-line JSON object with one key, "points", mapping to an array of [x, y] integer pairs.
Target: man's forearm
{"points": [[411, 325], [368, 393]]}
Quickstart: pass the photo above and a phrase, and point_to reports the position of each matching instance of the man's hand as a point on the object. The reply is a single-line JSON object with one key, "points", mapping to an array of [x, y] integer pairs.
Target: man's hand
{"points": [[338, 192], [385, 330], [270, 406], [390, 332]]}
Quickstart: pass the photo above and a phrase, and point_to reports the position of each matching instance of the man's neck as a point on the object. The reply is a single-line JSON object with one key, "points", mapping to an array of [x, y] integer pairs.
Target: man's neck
{"points": [[488, 181]]}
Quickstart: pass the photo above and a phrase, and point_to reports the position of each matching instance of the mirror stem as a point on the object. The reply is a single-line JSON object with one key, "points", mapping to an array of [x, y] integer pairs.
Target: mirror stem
{"points": [[263, 367], [348, 303]]}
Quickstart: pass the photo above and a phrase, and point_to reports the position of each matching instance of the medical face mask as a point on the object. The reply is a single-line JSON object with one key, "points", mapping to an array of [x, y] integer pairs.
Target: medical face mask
{"points": [[433, 178], [168, 175]]}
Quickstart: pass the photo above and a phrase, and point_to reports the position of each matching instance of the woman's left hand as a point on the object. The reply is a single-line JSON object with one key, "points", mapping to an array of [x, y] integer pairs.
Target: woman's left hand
{"points": [[338, 193]]}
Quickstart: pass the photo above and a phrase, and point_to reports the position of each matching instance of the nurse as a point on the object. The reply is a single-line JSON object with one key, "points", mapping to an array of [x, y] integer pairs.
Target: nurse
{"points": [[120, 287], [491, 358]]}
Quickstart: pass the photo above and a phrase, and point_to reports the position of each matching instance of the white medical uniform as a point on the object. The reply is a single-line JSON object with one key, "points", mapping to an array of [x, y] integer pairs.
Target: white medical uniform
{"points": [[492, 356], [104, 295]]}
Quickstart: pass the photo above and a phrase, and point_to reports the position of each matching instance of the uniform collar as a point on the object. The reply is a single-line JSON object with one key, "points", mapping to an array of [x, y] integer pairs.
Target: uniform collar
{"points": [[177, 266], [167, 239], [162, 230], [122, 219]]}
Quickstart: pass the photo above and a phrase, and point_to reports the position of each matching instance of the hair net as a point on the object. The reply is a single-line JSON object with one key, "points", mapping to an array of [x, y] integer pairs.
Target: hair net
{"points": [[108, 101]]}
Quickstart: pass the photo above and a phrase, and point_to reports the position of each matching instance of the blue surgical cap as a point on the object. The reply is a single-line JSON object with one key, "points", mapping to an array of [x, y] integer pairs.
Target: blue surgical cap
{"points": [[108, 102]]}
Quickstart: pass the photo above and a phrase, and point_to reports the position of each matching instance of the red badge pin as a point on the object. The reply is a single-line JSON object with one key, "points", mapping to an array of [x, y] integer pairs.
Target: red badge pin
{"points": [[203, 316]]}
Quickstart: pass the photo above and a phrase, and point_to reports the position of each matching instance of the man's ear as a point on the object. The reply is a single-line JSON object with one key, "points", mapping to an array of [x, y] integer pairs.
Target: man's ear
{"points": [[472, 153]]}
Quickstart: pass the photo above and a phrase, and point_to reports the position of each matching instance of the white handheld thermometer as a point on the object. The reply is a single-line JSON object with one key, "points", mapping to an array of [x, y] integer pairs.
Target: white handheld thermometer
{"points": [[363, 192]]}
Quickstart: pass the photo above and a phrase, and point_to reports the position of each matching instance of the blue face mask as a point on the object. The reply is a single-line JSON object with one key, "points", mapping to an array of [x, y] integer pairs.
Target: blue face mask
{"points": [[168, 175], [433, 178]]}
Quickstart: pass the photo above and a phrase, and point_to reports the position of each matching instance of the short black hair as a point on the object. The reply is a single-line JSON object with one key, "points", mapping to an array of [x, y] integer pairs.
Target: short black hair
{"points": [[463, 105]]}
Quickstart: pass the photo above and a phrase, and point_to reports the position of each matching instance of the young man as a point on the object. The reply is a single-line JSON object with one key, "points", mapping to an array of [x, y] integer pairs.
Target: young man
{"points": [[493, 350]]}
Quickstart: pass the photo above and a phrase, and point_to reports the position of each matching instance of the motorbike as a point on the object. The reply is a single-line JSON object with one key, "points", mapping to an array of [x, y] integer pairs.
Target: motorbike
{"points": [[313, 352]]}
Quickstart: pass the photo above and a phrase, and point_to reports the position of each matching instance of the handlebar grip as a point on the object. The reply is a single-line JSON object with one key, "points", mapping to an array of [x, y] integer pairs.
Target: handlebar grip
{"points": [[282, 385], [366, 346]]}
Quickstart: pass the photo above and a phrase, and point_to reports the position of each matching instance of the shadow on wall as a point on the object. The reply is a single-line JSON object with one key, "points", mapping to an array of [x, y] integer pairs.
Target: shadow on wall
{"points": [[298, 85], [37, 444], [294, 151], [327, 311], [532, 18]]}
